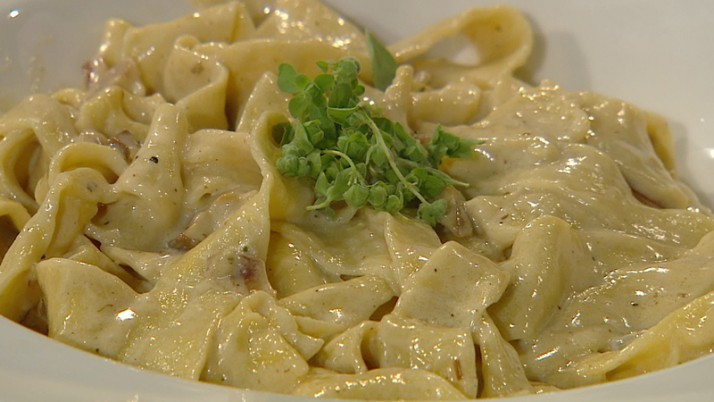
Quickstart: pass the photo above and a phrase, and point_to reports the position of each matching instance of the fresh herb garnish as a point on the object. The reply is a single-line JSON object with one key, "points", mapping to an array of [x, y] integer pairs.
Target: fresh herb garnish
{"points": [[353, 154], [384, 67]]}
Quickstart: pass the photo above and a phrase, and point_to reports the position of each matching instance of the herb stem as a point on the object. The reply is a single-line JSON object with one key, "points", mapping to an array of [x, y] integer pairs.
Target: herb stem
{"points": [[349, 161], [315, 207]]}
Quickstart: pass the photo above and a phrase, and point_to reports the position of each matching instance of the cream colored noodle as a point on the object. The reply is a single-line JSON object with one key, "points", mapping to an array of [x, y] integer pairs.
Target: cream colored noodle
{"points": [[143, 219]]}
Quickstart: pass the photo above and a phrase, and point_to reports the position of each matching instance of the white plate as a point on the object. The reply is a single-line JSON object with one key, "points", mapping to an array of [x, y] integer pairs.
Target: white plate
{"points": [[654, 53]]}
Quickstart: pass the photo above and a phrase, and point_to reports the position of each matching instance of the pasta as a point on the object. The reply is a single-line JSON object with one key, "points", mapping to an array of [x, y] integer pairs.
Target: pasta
{"points": [[144, 219]]}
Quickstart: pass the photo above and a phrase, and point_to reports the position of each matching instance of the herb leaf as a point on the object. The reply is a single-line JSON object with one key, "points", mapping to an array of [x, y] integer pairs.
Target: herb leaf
{"points": [[354, 156], [289, 80], [384, 67]]}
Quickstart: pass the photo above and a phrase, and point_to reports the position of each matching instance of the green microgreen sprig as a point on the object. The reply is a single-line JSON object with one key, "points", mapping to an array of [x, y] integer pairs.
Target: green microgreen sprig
{"points": [[355, 156]]}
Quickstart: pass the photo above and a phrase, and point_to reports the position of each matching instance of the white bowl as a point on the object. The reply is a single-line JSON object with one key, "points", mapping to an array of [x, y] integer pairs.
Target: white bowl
{"points": [[654, 53]]}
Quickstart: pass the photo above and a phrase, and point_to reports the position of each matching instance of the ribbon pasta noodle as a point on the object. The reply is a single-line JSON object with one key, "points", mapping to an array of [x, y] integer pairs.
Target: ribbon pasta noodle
{"points": [[144, 220]]}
